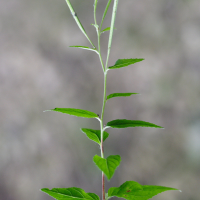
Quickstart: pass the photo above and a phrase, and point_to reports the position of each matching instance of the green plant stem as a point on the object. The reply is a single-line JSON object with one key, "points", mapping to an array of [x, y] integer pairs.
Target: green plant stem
{"points": [[95, 8], [101, 124], [111, 30], [104, 96], [102, 113], [99, 50], [98, 30]]}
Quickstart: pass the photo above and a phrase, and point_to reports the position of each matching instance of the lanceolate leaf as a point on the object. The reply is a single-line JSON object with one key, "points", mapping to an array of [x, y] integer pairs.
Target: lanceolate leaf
{"points": [[124, 123], [76, 112], [105, 12], [72, 193], [78, 21], [125, 62], [95, 135], [86, 48], [106, 29], [132, 190], [108, 165], [111, 29], [119, 95]]}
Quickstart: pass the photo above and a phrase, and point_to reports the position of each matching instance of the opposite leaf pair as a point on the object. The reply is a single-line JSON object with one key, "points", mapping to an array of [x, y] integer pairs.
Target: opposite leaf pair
{"points": [[129, 190]]}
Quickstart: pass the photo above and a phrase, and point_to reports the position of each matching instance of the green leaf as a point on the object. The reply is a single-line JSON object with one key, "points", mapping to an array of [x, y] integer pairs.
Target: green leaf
{"points": [[78, 21], [75, 112], [108, 165], [132, 190], [86, 48], [125, 62], [119, 95], [124, 123], [114, 12], [72, 193], [105, 12], [95, 135], [106, 29]]}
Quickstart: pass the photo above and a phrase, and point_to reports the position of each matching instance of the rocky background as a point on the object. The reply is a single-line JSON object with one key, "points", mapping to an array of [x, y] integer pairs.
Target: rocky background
{"points": [[38, 71]]}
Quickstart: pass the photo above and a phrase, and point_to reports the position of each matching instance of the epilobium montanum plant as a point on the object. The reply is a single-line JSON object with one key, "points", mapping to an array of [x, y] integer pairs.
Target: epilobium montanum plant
{"points": [[129, 190]]}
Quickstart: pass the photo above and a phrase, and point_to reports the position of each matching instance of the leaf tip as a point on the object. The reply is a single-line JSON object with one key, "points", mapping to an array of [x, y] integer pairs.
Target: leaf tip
{"points": [[43, 189], [47, 110]]}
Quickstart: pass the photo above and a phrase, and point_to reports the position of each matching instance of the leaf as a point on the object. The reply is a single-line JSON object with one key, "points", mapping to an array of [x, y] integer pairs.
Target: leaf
{"points": [[132, 190], [78, 21], [75, 112], [86, 48], [72, 193], [105, 12], [124, 123], [95, 135], [125, 62], [114, 12], [119, 95], [108, 165], [106, 29]]}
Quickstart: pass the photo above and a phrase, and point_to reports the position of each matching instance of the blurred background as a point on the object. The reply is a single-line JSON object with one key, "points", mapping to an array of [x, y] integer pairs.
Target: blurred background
{"points": [[38, 71]]}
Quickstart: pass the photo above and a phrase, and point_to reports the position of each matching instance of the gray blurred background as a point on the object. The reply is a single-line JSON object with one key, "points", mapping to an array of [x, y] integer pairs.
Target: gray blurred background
{"points": [[38, 71]]}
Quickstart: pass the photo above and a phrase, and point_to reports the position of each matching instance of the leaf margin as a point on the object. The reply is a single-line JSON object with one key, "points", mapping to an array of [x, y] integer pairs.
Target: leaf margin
{"points": [[98, 135], [57, 194], [125, 189], [70, 111], [125, 62], [126, 94], [132, 123], [99, 161]]}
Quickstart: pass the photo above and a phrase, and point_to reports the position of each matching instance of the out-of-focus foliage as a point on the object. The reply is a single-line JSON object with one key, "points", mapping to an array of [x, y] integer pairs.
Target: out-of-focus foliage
{"points": [[39, 150]]}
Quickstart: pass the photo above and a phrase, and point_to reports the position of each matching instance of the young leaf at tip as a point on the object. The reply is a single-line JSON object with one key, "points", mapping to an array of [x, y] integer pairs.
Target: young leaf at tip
{"points": [[125, 62], [106, 29], [85, 48], [105, 12], [119, 95], [108, 165], [124, 123], [76, 112], [95, 135], [70, 193], [132, 190], [114, 12]]}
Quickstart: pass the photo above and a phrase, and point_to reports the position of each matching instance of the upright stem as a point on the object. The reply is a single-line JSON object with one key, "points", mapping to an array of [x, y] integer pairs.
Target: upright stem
{"points": [[101, 124], [98, 30], [111, 30], [103, 107]]}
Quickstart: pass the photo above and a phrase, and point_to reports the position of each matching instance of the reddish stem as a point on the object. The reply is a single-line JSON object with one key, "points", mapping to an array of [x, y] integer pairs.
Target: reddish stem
{"points": [[103, 186]]}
